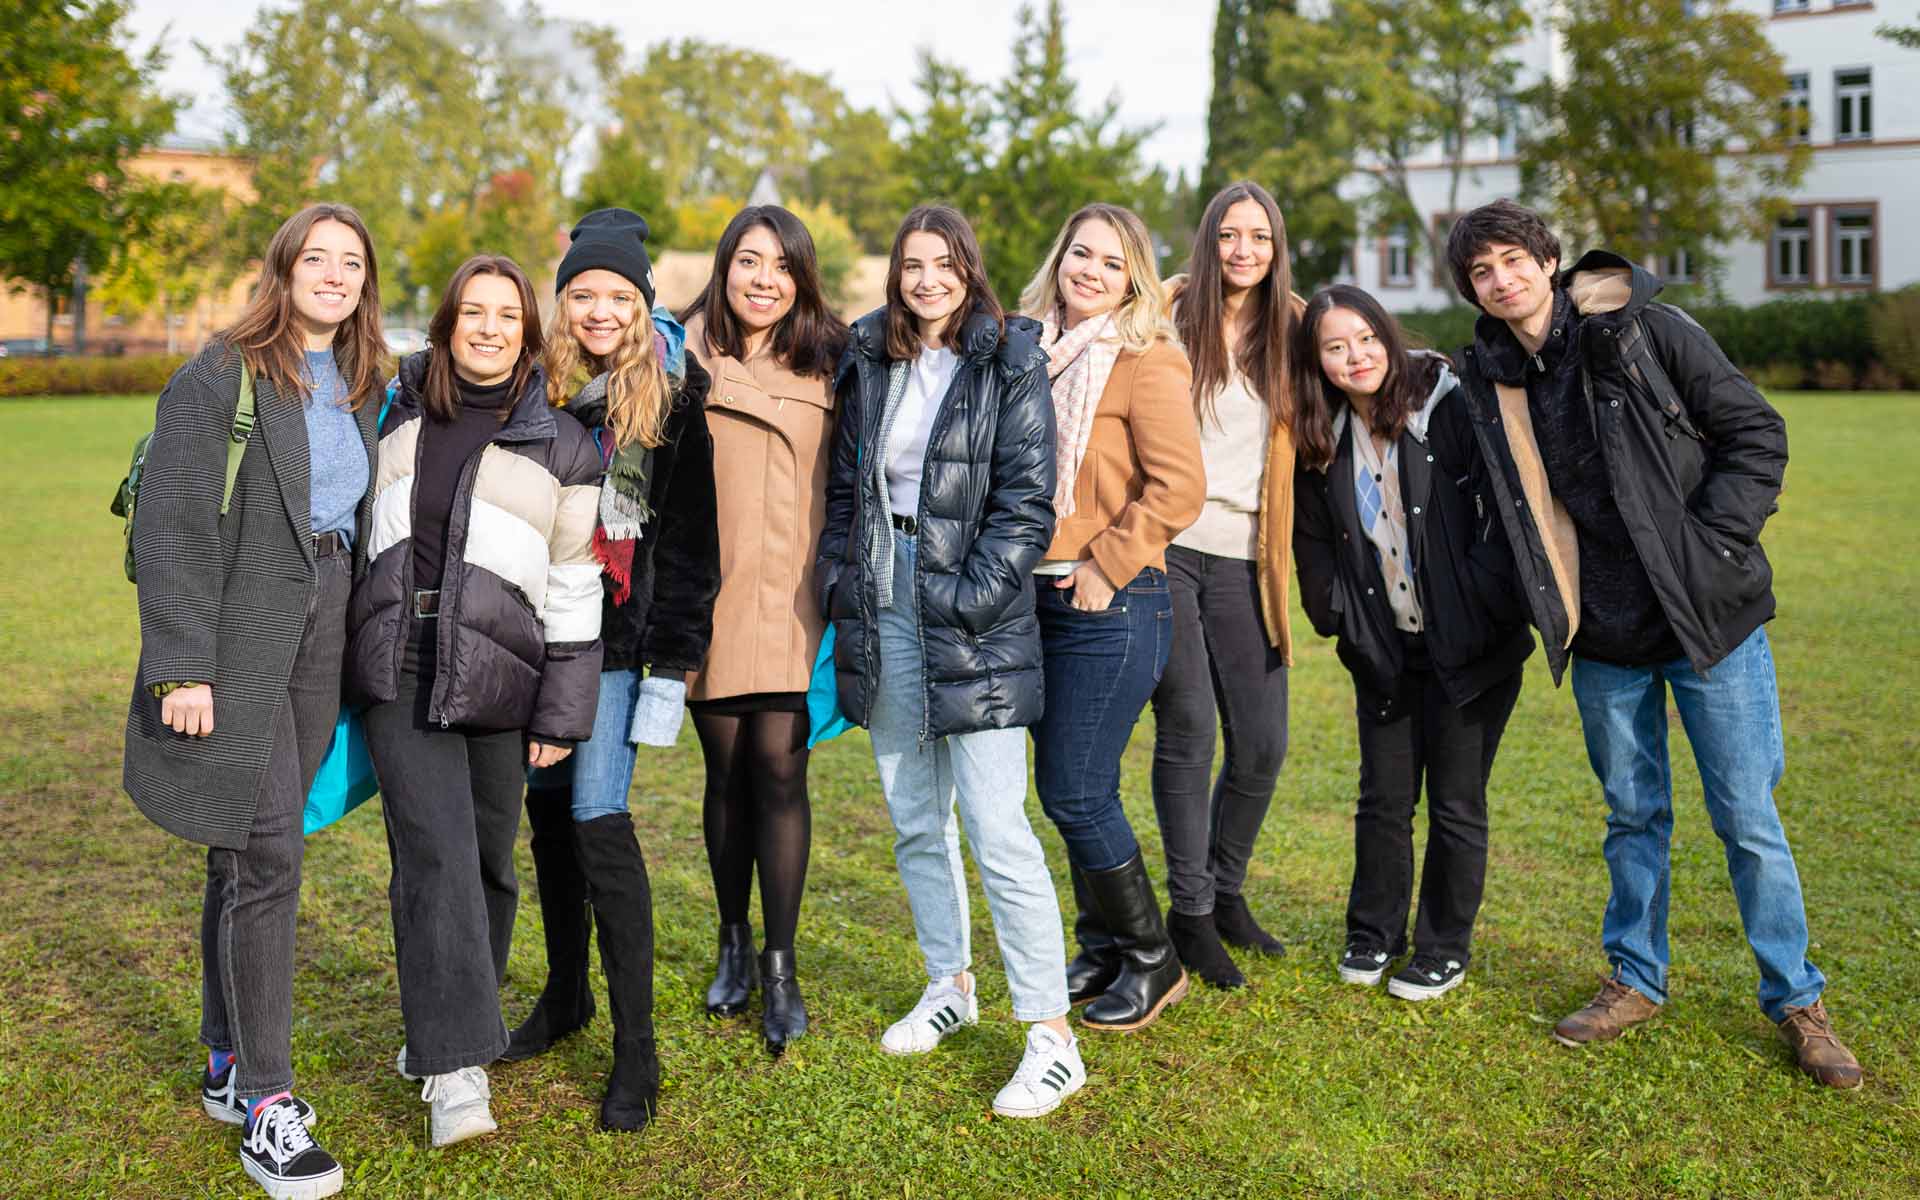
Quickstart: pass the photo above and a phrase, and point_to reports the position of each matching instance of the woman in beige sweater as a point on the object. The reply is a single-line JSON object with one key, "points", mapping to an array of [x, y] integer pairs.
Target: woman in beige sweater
{"points": [[766, 336]]}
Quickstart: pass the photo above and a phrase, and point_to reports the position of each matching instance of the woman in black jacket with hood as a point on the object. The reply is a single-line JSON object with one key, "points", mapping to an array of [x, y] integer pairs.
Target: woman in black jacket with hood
{"points": [[939, 505], [622, 371], [1401, 559]]}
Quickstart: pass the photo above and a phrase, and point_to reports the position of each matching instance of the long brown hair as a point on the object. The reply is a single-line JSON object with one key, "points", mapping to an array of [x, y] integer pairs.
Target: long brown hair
{"points": [[810, 338], [1318, 401], [903, 328], [268, 334], [441, 396], [1200, 312]]}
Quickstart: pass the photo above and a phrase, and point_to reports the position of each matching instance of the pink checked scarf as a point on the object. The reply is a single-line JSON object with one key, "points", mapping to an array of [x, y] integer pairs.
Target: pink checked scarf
{"points": [[1078, 363]]}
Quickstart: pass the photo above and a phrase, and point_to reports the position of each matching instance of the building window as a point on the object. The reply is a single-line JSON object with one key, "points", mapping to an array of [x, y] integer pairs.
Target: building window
{"points": [[1396, 258], [1678, 267], [1853, 246], [1790, 256], [1509, 109], [1797, 108], [1853, 105], [1789, 6], [1347, 270]]}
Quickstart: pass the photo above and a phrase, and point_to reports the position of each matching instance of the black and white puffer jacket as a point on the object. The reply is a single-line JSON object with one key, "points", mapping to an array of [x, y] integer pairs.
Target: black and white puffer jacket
{"points": [[519, 606]]}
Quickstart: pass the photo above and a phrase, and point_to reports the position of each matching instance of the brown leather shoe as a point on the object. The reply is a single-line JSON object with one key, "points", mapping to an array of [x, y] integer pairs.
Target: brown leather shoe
{"points": [[1614, 1010], [1810, 1032]]}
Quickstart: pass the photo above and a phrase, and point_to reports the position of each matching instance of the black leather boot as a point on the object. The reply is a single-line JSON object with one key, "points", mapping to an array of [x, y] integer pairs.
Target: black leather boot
{"points": [[623, 909], [1234, 920], [784, 1013], [1151, 976], [566, 1002], [1098, 963], [1198, 944], [735, 975]]}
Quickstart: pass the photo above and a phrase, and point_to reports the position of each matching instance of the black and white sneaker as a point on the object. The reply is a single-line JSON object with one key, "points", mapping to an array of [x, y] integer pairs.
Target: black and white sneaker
{"points": [[1050, 1071], [216, 1096], [943, 1008], [1424, 978], [282, 1157], [1364, 965]]}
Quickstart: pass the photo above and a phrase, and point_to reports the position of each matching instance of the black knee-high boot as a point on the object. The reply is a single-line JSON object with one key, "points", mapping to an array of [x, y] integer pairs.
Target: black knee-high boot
{"points": [[1098, 963], [566, 1002], [623, 911], [1150, 973]]}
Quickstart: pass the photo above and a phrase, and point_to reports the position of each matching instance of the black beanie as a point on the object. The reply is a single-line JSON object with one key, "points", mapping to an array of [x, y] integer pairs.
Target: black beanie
{"points": [[613, 239]]}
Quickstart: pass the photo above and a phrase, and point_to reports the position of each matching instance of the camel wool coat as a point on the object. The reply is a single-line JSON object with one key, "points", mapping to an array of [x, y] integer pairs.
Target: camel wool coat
{"points": [[770, 428]]}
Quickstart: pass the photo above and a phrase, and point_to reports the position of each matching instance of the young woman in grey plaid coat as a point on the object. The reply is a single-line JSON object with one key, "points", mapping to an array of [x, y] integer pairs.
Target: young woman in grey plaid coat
{"points": [[242, 633]]}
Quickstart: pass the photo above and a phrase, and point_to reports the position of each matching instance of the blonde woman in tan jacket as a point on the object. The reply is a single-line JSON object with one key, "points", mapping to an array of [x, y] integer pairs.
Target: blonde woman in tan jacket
{"points": [[768, 339], [1130, 478], [1229, 573]]}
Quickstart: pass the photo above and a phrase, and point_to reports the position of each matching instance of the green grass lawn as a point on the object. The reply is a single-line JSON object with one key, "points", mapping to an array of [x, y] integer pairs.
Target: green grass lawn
{"points": [[1295, 1086]]}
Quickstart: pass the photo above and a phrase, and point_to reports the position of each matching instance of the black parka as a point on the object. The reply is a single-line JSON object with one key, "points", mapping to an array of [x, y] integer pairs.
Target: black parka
{"points": [[1475, 624], [986, 517], [1695, 455]]}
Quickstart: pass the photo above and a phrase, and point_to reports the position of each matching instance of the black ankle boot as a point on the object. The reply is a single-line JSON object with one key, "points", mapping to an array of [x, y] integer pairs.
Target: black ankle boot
{"points": [[1198, 944], [1150, 973], [566, 1002], [784, 1013], [735, 975], [623, 910], [633, 1090], [1098, 963], [1238, 928]]}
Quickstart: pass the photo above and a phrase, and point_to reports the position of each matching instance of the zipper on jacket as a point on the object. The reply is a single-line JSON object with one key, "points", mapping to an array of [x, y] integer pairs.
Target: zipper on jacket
{"points": [[449, 611]]}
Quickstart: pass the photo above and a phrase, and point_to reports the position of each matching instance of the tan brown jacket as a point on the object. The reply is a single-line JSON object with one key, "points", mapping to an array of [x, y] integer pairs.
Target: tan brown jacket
{"points": [[770, 429], [1142, 480]]}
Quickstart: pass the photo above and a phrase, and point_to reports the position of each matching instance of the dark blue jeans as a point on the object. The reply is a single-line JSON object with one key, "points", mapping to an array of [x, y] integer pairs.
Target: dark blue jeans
{"points": [[1100, 669]]}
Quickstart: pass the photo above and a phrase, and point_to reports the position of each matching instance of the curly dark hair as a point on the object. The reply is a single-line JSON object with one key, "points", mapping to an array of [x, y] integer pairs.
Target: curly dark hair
{"points": [[1501, 223]]}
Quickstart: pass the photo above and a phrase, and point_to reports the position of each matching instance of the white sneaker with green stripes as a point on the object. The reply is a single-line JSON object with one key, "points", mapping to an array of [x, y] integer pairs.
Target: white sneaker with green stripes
{"points": [[943, 1008]]}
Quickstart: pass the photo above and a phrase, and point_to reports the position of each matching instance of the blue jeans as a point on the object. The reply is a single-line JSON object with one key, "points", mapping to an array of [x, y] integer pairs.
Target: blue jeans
{"points": [[1732, 719], [600, 769], [985, 774], [1101, 667]]}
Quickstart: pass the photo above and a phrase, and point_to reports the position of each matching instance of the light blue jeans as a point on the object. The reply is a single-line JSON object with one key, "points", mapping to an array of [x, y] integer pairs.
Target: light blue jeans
{"points": [[600, 768], [984, 774], [1732, 719]]}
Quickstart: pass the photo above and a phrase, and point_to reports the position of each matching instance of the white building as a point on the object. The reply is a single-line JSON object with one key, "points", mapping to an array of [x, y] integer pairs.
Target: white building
{"points": [[1861, 93]]}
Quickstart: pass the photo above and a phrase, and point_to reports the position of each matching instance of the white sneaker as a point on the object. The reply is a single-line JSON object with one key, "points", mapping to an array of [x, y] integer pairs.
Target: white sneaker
{"points": [[943, 1008], [459, 1100], [281, 1156], [400, 1065], [1049, 1072]]}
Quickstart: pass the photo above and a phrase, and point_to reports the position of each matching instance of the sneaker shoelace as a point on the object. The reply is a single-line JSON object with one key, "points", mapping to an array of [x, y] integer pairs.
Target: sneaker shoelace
{"points": [[1046, 1065], [282, 1131], [471, 1079]]}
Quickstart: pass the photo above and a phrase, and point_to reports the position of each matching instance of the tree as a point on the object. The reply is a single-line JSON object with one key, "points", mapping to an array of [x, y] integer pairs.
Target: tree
{"points": [[1665, 134], [174, 263], [406, 110], [1018, 158], [623, 176], [1901, 35], [1238, 109], [74, 108], [834, 246], [510, 215], [856, 171]]}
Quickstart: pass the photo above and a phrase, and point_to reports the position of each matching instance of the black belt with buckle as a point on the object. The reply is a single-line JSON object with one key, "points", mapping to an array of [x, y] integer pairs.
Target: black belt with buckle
{"points": [[906, 524], [426, 603], [328, 544]]}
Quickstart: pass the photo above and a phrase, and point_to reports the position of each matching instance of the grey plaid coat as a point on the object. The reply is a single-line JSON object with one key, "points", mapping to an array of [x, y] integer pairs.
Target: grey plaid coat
{"points": [[223, 600]]}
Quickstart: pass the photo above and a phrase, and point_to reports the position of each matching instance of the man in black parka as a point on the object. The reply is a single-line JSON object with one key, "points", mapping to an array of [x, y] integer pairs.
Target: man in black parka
{"points": [[1633, 467]]}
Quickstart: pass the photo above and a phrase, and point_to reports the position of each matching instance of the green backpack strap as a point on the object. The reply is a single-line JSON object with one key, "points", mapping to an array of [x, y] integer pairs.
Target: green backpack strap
{"points": [[243, 415]]}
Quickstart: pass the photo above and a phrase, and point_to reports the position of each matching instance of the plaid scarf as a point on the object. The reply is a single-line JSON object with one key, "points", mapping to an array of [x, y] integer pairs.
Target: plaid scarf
{"points": [[624, 511], [1078, 362], [879, 513]]}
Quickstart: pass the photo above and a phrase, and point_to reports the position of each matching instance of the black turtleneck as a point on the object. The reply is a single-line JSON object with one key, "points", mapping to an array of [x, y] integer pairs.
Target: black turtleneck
{"points": [[445, 447]]}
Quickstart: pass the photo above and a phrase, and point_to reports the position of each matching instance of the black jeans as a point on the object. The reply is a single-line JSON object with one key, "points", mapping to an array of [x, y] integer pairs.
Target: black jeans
{"points": [[1453, 749], [252, 901], [451, 799], [1221, 662]]}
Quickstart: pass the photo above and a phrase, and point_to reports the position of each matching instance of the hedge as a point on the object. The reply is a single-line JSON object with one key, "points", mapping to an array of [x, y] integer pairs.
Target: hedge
{"points": [[1869, 342], [29, 375]]}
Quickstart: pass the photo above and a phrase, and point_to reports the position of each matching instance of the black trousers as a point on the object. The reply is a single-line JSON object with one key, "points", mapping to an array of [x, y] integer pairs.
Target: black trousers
{"points": [[1222, 663], [451, 799], [1451, 749]]}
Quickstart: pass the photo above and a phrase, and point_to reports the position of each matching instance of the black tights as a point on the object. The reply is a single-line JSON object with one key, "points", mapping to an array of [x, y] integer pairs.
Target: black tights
{"points": [[756, 811]]}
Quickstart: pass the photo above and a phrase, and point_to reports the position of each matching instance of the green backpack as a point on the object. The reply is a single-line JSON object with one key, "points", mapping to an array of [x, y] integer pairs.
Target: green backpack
{"points": [[128, 493]]}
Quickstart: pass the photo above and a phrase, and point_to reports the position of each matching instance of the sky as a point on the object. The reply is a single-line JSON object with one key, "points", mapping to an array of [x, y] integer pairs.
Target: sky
{"points": [[866, 48]]}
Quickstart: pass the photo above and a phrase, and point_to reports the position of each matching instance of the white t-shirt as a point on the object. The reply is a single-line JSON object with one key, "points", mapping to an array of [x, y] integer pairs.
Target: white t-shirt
{"points": [[927, 380]]}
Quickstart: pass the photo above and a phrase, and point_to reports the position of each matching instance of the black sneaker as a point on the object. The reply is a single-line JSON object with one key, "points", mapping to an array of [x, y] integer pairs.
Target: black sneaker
{"points": [[281, 1156], [1426, 977], [216, 1096], [1363, 964]]}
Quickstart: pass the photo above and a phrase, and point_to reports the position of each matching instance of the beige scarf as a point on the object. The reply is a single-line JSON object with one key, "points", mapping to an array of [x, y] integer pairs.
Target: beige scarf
{"points": [[1078, 363]]}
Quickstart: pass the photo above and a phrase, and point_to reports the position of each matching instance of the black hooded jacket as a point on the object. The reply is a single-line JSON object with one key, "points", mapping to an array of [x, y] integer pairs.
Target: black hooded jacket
{"points": [[1694, 458], [986, 517]]}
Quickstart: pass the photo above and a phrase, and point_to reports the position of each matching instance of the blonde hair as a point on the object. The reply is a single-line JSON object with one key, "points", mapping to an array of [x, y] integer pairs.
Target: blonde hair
{"points": [[1142, 318], [638, 391]]}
